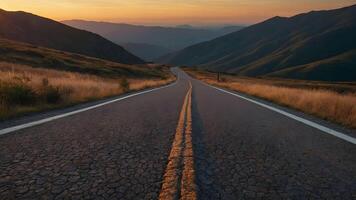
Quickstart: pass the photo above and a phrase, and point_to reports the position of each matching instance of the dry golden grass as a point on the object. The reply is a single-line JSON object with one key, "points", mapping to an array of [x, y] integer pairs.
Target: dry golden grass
{"points": [[72, 87], [81, 87], [326, 104], [137, 84]]}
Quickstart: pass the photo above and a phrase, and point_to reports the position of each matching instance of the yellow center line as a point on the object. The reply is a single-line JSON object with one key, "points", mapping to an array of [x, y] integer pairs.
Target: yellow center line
{"points": [[179, 177], [188, 186]]}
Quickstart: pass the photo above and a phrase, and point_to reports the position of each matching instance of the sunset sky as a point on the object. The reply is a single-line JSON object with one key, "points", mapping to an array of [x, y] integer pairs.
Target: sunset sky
{"points": [[171, 12]]}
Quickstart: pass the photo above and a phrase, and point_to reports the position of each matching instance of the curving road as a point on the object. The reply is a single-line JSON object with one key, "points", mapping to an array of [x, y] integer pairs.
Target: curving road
{"points": [[176, 142]]}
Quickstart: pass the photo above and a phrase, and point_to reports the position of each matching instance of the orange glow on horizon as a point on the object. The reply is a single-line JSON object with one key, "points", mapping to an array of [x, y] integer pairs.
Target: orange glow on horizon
{"points": [[169, 11]]}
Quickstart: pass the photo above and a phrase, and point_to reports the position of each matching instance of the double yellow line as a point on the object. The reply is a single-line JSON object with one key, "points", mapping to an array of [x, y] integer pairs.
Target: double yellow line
{"points": [[179, 178]]}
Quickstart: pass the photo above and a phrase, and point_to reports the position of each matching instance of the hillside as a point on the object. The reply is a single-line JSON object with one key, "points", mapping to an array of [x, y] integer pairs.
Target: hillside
{"points": [[39, 31], [174, 38], [39, 57], [306, 46], [337, 68]]}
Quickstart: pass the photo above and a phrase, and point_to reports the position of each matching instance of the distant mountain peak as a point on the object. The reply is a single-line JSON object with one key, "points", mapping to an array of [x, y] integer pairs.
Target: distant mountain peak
{"points": [[187, 26], [275, 19], [278, 17]]}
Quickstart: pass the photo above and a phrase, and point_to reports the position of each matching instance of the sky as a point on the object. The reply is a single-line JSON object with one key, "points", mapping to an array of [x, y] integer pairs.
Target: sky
{"points": [[171, 12]]}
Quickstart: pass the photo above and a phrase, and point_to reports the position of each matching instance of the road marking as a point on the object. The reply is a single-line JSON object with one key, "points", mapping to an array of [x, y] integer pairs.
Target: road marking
{"points": [[170, 185], [302, 120], [179, 177], [188, 184], [42, 121]]}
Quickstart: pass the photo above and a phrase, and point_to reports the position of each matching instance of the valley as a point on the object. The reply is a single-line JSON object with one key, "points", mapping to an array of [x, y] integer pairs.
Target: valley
{"points": [[177, 100], [158, 39]]}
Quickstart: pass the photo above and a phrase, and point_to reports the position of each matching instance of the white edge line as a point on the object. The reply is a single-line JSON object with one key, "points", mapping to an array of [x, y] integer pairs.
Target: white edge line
{"points": [[42, 121], [302, 120]]}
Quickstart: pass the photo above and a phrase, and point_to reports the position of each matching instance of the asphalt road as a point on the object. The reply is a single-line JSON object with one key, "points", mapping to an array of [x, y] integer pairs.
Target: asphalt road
{"points": [[124, 150]]}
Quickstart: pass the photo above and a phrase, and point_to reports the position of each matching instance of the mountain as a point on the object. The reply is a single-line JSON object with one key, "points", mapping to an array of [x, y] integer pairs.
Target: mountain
{"points": [[174, 38], [35, 56], [36, 30], [317, 45], [148, 52], [337, 68], [228, 29], [187, 26]]}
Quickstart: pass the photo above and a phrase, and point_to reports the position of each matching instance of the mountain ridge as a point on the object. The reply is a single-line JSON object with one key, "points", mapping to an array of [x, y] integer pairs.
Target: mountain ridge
{"points": [[166, 37], [275, 44], [33, 29]]}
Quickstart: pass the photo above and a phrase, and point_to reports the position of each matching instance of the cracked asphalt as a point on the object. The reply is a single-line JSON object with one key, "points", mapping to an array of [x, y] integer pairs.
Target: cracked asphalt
{"points": [[121, 150]]}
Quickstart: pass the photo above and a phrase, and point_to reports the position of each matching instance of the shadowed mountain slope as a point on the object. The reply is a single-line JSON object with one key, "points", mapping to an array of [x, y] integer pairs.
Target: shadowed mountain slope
{"points": [[148, 52], [310, 44], [36, 30]]}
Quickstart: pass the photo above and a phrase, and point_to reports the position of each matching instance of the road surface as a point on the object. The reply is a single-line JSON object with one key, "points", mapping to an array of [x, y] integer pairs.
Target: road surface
{"points": [[184, 141]]}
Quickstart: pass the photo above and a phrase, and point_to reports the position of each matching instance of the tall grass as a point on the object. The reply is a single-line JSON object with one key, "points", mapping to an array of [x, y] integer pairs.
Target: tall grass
{"points": [[24, 89], [326, 104]]}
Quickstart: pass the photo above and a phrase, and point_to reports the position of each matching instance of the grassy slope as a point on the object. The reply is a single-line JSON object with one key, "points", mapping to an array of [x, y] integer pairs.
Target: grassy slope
{"points": [[22, 53], [338, 68], [331, 101]]}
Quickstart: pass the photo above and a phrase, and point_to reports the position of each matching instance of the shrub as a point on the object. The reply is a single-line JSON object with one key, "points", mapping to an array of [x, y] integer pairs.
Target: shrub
{"points": [[45, 82], [125, 85], [66, 92], [16, 93], [49, 93]]}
